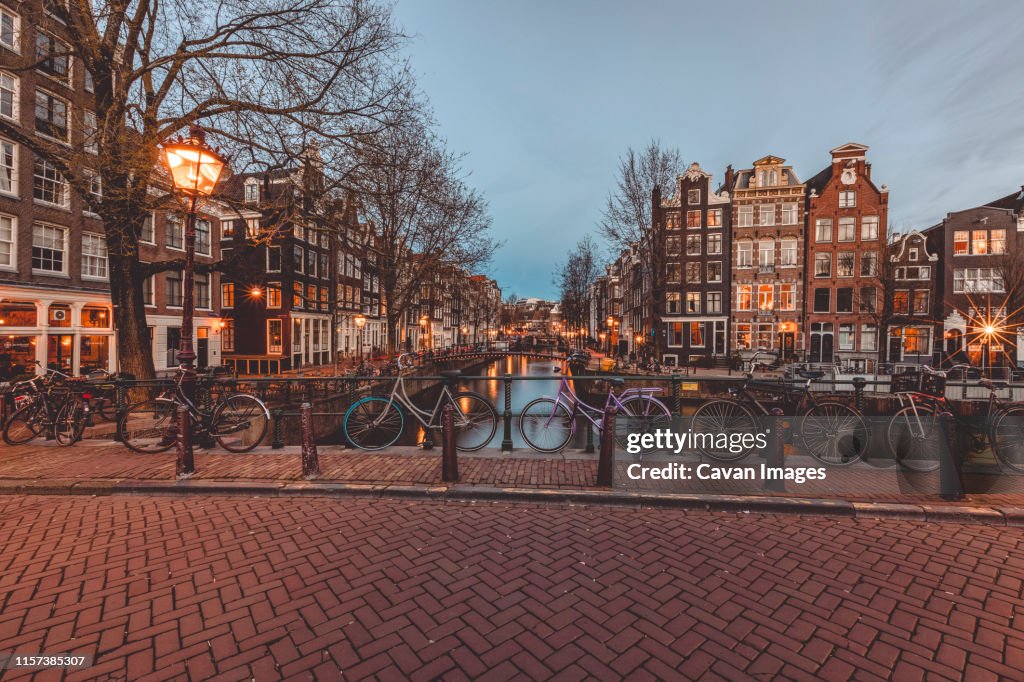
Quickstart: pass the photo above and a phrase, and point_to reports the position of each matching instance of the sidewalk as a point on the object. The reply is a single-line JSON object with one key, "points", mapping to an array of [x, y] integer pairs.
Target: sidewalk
{"points": [[102, 467]]}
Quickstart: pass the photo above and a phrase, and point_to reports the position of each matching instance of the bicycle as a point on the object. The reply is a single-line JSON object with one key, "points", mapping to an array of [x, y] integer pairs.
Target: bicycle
{"points": [[548, 424], [915, 441], [236, 421], [376, 422], [831, 431], [48, 404]]}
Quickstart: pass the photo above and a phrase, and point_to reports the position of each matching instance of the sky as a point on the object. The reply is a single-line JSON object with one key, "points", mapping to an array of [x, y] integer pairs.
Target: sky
{"points": [[544, 97]]}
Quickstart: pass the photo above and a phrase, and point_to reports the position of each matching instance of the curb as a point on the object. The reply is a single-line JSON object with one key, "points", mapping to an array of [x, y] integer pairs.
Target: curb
{"points": [[932, 513]]}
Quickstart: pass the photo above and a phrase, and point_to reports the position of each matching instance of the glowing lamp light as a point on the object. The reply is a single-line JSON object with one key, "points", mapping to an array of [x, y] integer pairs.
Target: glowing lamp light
{"points": [[360, 321], [195, 167], [255, 292], [989, 330]]}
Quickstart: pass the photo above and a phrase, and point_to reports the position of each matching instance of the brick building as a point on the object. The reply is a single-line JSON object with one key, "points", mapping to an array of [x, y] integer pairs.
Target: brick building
{"points": [[847, 215], [911, 326]]}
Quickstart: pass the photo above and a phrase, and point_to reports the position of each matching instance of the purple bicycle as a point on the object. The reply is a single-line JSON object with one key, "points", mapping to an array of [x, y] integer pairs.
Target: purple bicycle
{"points": [[548, 424]]}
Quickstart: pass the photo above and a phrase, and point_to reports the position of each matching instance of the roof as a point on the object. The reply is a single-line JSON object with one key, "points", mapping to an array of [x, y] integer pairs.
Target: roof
{"points": [[1014, 201], [818, 182], [743, 178]]}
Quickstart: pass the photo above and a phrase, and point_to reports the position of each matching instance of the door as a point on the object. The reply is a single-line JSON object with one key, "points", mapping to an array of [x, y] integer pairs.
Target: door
{"points": [[719, 338], [895, 349], [203, 347], [827, 341], [788, 343], [59, 351], [815, 347]]}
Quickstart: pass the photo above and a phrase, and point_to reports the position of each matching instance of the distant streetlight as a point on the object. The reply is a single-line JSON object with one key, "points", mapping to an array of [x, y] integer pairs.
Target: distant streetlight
{"points": [[360, 323]]}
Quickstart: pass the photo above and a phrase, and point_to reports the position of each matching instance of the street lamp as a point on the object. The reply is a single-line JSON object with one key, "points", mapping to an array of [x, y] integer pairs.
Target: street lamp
{"points": [[360, 323], [423, 331], [195, 168]]}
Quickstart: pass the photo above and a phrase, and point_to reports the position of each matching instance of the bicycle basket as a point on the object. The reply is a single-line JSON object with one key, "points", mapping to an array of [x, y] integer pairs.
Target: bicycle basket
{"points": [[908, 381], [933, 384]]}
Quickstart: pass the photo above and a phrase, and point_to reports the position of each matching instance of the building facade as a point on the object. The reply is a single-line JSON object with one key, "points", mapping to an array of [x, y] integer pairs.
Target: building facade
{"points": [[911, 324]]}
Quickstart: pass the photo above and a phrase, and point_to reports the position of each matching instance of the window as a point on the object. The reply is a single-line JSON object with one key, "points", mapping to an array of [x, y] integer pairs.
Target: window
{"points": [[94, 256], [203, 237], [173, 289], [252, 228], [787, 297], [847, 199], [227, 229], [671, 220], [51, 116], [823, 265], [692, 220], [148, 293], [789, 212], [8, 241], [868, 264], [744, 254], [148, 233], [714, 302], [765, 297], [252, 190], [693, 196], [8, 167], [847, 230], [52, 56], [9, 29], [868, 337], [673, 303], [311, 261], [714, 244], [743, 297], [901, 302], [693, 273], [974, 280], [715, 271], [227, 295], [920, 302], [822, 300], [298, 258], [201, 291], [915, 340], [693, 245], [846, 336], [823, 230], [868, 299], [175, 234], [173, 343], [743, 336], [273, 295], [273, 259], [297, 290], [49, 246], [788, 253], [912, 255], [8, 96], [997, 242], [979, 242], [90, 133], [766, 255], [90, 85], [673, 273], [844, 300], [48, 184], [960, 243], [766, 214], [675, 334], [869, 227], [672, 246], [696, 334], [745, 216], [844, 263], [692, 302], [275, 337], [227, 338], [714, 217], [95, 183]]}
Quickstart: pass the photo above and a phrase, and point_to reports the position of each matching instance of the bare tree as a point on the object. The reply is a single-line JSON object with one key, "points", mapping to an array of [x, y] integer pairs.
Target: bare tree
{"points": [[574, 279], [627, 218], [268, 78]]}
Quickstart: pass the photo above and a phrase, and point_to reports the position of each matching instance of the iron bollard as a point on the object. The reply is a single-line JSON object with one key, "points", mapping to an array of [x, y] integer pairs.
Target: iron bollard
{"points": [[506, 439], [776, 454], [858, 393], [310, 459], [449, 456], [278, 442], [589, 447], [119, 407], [185, 464], [675, 394], [606, 460], [951, 475]]}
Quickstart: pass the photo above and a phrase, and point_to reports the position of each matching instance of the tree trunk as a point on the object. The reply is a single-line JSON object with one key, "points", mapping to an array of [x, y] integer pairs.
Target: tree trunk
{"points": [[134, 347]]}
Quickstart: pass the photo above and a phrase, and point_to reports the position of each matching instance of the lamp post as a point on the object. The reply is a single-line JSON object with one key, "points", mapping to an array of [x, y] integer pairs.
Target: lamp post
{"points": [[424, 321], [360, 323], [195, 168]]}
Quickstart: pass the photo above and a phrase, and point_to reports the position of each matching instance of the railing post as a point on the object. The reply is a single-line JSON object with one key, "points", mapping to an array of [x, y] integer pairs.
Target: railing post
{"points": [[506, 439], [185, 464], [589, 447], [278, 442], [449, 455], [858, 393], [606, 460], [676, 403], [776, 454], [310, 459], [951, 475], [119, 404]]}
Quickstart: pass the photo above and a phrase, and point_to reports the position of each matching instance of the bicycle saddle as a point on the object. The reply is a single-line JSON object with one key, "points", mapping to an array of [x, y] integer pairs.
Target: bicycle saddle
{"points": [[451, 373], [989, 384], [616, 381], [810, 375]]}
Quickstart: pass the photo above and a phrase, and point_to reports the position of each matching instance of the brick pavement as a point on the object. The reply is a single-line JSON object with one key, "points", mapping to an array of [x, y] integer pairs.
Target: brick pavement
{"points": [[271, 588]]}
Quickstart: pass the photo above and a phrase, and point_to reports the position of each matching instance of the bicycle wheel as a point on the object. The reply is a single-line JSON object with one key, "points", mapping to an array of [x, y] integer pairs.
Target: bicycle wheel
{"points": [[914, 439], [149, 426], [69, 425], [477, 424], [834, 434], [26, 423], [717, 417], [641, 414], [373, 423], [546, 425], [239, 422], [1007, 438]]}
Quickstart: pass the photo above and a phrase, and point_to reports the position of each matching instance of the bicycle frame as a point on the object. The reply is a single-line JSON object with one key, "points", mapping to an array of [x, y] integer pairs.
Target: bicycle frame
{"points": [[428, 419], [567, 397], [788, 394]]}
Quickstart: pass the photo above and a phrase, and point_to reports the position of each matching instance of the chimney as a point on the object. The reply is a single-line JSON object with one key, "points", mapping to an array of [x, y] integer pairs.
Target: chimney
{"points": [[867, 170], [729, 178]]}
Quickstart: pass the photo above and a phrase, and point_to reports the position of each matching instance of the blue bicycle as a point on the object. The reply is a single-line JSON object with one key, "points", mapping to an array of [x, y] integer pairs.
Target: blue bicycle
{"points": [[376, 422]]}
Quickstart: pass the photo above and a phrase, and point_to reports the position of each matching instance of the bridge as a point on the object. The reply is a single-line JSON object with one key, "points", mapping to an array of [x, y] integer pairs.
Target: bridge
{"points": [[489, 354]]}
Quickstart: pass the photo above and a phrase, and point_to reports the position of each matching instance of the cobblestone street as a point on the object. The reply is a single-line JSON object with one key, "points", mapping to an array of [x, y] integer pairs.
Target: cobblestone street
{"points": [[268, 588]]}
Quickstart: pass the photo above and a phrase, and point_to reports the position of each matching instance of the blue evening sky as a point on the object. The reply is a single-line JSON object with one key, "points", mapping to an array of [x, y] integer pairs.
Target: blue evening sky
{"points": [[545, 96]]}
